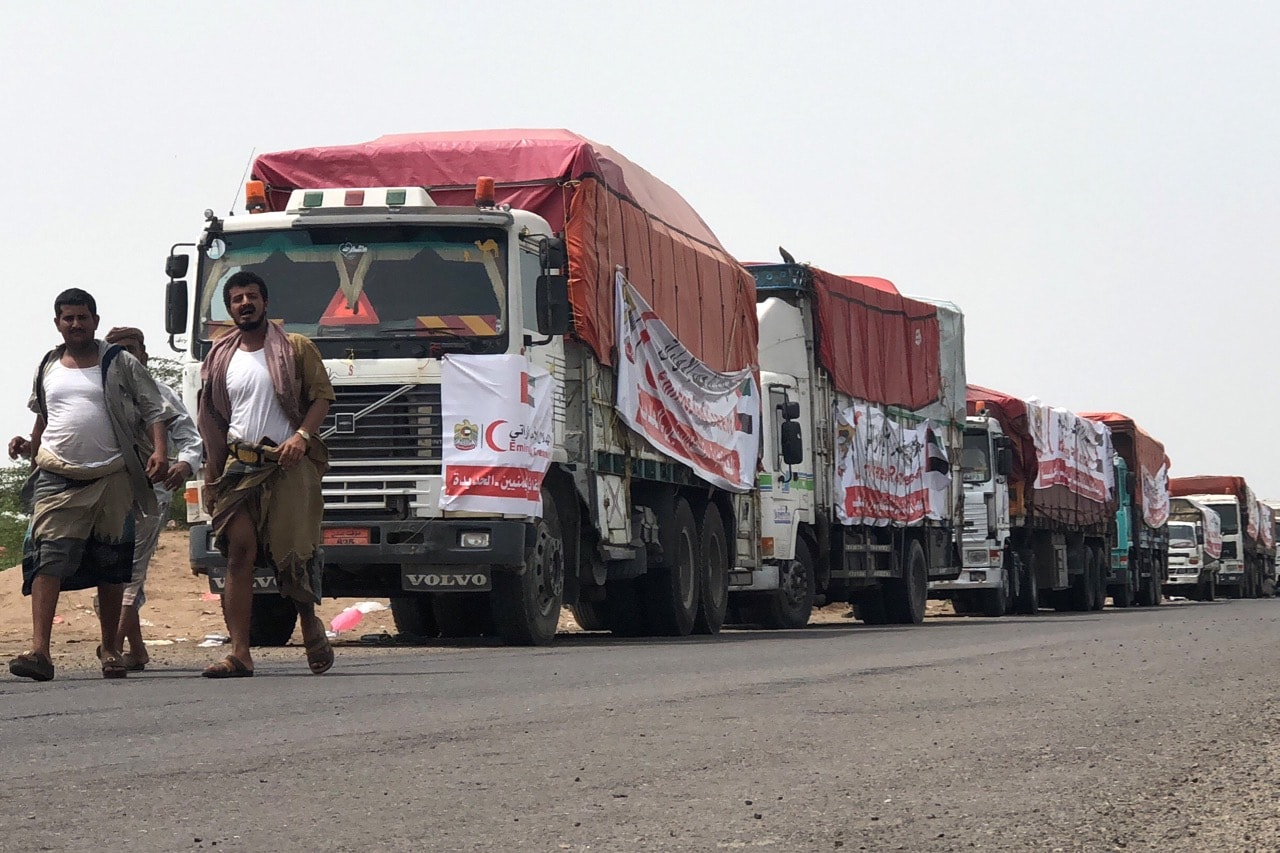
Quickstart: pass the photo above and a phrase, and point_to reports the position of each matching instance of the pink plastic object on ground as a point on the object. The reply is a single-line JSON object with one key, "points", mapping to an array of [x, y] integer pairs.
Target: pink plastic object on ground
{"points": [[346, 620]]}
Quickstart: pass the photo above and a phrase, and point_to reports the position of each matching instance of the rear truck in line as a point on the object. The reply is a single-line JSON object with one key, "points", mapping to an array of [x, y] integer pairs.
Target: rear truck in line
{"points": [[1247, 562], [1195, 548], [1273, 507], [1140, 556], [877, 380], [545, 372], [1039, 510]]}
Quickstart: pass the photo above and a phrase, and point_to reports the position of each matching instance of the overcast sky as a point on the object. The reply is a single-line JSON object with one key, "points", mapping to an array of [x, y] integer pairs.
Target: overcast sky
{"points": [[1096, 184]]}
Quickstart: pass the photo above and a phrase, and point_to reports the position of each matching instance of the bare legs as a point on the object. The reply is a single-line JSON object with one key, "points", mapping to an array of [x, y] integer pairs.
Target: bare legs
{"points": [[237, 597]]}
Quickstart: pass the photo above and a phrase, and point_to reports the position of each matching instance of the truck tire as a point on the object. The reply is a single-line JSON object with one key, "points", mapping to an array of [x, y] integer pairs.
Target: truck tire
{"points": [[713, 566], [870, 607], [1027, 596], [622, 611], [587, 615], [462, 614], [998, 602], [1209, 589], [905, 597], [272, 619], [526, 606], [1122, 595], [791, 605], [671, 590], [413, 616], [1099, 578]]}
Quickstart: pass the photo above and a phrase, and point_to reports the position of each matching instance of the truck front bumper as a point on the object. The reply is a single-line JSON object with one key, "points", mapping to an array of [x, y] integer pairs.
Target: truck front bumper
{"points": [[971, 578], [428, 555]]}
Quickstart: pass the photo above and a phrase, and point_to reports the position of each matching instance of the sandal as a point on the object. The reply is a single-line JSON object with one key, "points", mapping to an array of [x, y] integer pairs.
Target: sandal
{"points": [[112, 664], [31, 665], [229, 667], [319, 655], [132, 662]]}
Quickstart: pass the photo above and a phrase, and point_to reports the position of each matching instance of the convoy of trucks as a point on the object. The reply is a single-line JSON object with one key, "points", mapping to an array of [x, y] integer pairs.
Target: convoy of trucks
{"points": [[1039, 509], [556, 388]]}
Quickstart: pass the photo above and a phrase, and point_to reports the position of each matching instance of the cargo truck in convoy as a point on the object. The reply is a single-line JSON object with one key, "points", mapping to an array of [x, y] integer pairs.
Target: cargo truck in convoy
{"points": [[1247, 567], [545, 367], [1195, 548], [1039, 508], [877, 379], [1140, 556]]}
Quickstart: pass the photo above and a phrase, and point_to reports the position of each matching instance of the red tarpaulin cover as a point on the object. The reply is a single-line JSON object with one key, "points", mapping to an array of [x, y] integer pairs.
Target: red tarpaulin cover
{"points": [[1180, 487], [1142, 453], [1057, 502], [612, 213], [877, 345]]}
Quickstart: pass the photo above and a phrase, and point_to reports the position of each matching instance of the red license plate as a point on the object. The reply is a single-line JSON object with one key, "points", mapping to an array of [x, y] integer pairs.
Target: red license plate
{"points": [[346, 536]]}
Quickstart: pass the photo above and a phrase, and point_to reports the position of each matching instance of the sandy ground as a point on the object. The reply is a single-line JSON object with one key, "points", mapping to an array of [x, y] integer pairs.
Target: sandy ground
{"points": [[180, 611]]}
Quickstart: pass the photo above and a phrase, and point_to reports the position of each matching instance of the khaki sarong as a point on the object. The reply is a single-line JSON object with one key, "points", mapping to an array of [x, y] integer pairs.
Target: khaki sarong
{"points": [[80, 526], [286, 508]]}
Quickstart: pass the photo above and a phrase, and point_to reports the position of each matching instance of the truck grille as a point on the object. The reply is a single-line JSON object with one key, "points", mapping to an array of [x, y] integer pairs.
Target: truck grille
{"points": [[382, 439]]}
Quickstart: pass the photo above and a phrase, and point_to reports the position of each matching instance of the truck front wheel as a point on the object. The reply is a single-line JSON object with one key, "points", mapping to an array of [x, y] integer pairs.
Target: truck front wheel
{"points": [[413, 616], [526, 606], [791, 605], [271, 620]]}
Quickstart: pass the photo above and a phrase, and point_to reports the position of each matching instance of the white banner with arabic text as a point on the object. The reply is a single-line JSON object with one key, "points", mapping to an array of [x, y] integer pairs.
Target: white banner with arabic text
{"points": [[1071, 451], [704, 418], [496, 412], [887, 473]]}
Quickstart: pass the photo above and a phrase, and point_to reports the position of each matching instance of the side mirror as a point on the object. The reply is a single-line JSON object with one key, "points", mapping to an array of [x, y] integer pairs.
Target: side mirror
{"points": [[1004, 462], [551, 254], [175, 305], [792, 443], [790, 411], [553, 305], [175, 266]]}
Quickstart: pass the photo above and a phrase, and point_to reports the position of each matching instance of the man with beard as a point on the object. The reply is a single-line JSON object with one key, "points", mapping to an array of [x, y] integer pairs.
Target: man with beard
{"points": [[264, 394], [97, 446]]}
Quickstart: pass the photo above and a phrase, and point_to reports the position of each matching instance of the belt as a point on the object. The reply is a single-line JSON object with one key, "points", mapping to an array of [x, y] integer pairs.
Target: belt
{"points": [[253, 454]]}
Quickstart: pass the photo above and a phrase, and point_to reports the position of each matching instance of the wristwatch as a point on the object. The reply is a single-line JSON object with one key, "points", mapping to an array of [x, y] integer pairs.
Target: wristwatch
{"points": [[306, 436]]}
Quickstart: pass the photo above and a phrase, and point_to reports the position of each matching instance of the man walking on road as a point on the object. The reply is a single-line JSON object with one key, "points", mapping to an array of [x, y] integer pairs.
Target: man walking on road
{"points": [[97, 445], [264, 394], [185, 449]]}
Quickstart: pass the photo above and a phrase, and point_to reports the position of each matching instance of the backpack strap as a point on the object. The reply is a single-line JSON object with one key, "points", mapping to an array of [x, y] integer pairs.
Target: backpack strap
{"points": [[107, 357]]}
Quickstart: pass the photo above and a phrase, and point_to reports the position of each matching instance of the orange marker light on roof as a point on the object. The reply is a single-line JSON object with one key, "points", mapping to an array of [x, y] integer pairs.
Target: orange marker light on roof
{"points": [[255, 197], [485, 192]]}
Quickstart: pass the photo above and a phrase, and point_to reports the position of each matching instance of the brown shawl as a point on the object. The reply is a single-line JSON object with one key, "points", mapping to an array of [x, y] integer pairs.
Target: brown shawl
{"points": [[214, 416]]}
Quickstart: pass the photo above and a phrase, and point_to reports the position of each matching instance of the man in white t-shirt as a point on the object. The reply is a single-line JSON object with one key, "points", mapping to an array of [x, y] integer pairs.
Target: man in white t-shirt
{"points": [[264, 395], [98, 444]]}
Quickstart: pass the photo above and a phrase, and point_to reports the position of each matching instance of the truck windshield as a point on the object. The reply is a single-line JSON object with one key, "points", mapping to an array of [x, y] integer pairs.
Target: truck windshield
{"points": [[1182, 535], [975, 462], [368, 282], [1230, 518]]}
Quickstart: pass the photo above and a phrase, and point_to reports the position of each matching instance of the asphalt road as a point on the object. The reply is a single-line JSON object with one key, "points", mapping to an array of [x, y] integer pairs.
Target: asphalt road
{"points": [[1145, 729]]}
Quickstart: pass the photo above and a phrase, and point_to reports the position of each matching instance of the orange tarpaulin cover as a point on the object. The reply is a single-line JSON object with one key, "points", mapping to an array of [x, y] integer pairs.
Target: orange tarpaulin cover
{"points": [[611, 211]]}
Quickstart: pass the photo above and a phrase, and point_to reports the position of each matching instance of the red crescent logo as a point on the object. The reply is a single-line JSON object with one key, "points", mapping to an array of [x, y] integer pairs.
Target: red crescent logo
{"points": [[488, 436]]}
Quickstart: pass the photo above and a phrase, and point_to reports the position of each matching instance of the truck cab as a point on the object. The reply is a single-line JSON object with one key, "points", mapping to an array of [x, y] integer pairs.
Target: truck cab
{"points": [[985, 464], [1232, 577], [1195, 546]]}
